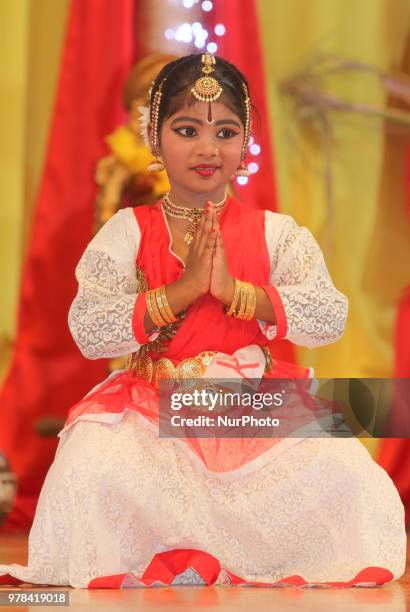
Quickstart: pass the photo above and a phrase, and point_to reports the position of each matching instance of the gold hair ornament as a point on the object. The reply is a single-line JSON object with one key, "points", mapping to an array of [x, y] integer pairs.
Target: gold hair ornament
{"points": [[242, 169], [207, 88], [248, 121], [157, 165]]}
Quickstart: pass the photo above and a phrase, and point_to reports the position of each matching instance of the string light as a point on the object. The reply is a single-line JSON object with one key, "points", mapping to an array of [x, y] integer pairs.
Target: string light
{"points": [[207, 6], [220, 29], [197, 29], [212, 47], [255, 149], [184, 33], [253, 167], [187, 33]]}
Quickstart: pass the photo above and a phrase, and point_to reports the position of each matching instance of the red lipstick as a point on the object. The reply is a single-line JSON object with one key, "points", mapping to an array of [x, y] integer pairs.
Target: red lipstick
{"points": [[205, 170]]}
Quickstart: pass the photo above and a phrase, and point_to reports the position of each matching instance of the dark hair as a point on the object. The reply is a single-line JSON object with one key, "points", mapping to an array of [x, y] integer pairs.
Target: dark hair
{"points": [[181, 75]]}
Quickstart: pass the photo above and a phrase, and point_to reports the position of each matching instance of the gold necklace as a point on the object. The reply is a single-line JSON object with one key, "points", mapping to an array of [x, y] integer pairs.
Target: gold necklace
{"points": [[194, 215]]}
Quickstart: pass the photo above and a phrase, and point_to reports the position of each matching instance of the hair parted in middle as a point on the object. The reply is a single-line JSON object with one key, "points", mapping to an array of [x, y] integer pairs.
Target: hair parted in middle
{"points": [[172, 89]]}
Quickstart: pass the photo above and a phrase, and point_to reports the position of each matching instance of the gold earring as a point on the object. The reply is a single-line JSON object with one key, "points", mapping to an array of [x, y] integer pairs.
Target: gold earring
{"points": [[157, 165], [242, 170]]}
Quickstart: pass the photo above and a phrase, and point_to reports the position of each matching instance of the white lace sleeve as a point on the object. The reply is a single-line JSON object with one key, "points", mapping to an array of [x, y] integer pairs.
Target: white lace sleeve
{"points": [[100, 317], [314, 309]]}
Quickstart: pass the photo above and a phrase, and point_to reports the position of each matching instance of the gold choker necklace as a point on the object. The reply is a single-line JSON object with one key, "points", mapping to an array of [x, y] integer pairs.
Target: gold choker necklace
{"points": [[194, 215]]}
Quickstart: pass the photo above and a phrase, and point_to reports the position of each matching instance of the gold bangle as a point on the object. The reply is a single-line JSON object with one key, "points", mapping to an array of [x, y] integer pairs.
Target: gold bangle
{"points": [[247, 302], [166, 309], [153, 308], [148, 296], [157, 307], [160, 306], [231, 310], [251, 303], [244, 302], [244, 299]]}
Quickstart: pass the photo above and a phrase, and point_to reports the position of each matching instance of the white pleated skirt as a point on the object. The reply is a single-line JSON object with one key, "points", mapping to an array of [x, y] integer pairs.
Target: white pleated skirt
{"points": [[122, 507]]}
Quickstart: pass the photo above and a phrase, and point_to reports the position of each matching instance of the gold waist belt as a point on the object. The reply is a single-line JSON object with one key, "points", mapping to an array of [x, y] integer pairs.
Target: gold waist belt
{"points": [[152, 370]]}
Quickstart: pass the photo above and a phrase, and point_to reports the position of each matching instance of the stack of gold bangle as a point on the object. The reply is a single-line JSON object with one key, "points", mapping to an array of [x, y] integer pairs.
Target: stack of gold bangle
{"points": [[158, 307], [243, 304]]}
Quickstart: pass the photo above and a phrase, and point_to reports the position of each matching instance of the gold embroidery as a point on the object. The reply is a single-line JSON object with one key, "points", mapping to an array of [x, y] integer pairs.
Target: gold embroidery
{"points": [[141, 279]]}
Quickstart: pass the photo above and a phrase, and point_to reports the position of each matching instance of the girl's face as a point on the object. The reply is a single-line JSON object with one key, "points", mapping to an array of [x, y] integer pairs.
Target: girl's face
{"points": [[200, 157]]}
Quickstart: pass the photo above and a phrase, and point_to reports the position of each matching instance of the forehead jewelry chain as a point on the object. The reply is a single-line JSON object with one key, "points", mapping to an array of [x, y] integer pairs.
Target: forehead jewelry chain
{"points": [[193, 215], [154, 119], [207, 88]]}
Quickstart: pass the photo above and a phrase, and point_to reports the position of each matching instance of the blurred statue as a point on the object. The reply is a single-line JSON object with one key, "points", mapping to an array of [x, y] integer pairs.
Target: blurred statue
{"points": [[122, 176]]}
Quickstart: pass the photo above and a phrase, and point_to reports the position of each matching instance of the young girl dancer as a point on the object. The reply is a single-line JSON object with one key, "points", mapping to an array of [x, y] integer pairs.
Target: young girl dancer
{"points": [[194, 289]]}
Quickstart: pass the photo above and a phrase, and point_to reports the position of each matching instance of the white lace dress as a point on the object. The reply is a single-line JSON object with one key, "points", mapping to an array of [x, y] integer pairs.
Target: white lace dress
{"points": [[122, 507]]}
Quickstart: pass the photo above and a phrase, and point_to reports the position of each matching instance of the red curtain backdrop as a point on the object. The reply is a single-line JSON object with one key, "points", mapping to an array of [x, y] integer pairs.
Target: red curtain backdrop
{"points": [[241, 45], [97, 56], [394, 453], [402, 336]]}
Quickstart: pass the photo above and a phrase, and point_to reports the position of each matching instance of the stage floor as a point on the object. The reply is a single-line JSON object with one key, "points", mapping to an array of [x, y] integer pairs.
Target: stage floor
{"points": [[394, 597]]}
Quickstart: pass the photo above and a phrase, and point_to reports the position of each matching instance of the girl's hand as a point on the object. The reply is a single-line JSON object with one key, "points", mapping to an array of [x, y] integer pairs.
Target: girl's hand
{"points": [[222, 284], [198, 265]]}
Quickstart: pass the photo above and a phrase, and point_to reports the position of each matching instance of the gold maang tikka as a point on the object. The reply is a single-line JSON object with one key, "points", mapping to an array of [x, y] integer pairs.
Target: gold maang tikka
{"points": [[207, 88]]}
